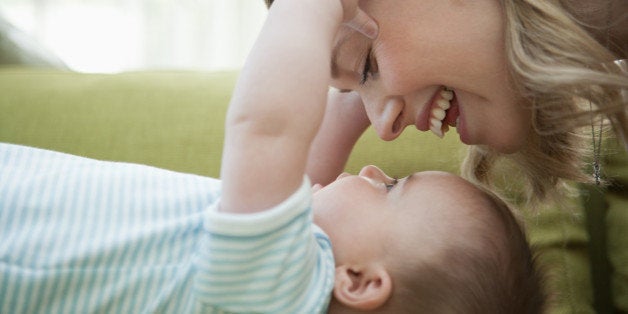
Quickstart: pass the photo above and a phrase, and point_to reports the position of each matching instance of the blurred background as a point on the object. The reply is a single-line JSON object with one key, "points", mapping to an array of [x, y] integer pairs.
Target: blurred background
{"points": [[108, 36]]}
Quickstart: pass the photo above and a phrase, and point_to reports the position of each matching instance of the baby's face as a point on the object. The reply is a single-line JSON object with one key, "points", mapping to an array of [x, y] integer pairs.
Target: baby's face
{"points": [[365, 215]]}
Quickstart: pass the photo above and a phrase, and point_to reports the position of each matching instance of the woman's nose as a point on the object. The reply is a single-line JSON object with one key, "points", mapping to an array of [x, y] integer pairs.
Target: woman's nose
{"points": [[374, 173], [387, 120]]}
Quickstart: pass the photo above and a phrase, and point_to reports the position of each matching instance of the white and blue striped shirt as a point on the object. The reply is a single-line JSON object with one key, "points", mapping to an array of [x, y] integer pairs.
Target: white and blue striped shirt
{"points": [[79, 235]]}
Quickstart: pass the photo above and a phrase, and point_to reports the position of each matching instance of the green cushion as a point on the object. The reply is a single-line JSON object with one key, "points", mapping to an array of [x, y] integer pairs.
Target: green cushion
{"points": [[616, 167], [411, 152], [561, 240], [617, 221], [170, 120], [174, 120]]}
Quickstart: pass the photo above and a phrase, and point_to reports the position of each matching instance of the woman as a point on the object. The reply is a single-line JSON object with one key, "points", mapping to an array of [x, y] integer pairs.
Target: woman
{"points": [[524, 77], [525, 81]]}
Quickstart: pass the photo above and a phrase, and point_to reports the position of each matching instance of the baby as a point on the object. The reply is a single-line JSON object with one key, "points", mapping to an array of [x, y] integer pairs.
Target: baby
{"points": [[82, 236], [429, 243]]}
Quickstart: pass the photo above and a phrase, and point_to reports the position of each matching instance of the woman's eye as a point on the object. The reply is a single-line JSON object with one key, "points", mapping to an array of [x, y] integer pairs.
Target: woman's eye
{"points": [[369, 69]]}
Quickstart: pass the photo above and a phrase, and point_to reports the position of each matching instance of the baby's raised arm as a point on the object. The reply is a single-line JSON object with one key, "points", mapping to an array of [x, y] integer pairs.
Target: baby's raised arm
{"points": [[279, 101], [344, 122]]}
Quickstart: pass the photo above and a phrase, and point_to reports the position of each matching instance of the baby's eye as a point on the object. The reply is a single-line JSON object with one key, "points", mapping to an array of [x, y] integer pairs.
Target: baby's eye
{"points": [[389, 186]]}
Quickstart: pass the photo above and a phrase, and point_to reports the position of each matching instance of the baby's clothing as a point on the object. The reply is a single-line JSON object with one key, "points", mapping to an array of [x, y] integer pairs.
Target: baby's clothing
{"points": [[79, 235]]}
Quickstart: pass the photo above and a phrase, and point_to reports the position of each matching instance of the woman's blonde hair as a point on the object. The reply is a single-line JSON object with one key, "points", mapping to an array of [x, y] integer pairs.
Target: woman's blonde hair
{"points": [[562, 72]]}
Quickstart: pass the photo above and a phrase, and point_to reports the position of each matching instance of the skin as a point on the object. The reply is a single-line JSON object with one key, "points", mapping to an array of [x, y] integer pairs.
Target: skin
{"points": [[367, 220], [423, 46], [416, 54], [378, 225], [274, 119]]}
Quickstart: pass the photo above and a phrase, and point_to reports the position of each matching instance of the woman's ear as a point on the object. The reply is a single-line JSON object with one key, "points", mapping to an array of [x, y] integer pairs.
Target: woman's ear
{"points": [[362, 287]]}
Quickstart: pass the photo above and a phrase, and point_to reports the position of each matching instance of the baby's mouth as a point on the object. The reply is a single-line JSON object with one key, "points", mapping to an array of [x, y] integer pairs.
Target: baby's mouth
{"points": [[443, 114]]}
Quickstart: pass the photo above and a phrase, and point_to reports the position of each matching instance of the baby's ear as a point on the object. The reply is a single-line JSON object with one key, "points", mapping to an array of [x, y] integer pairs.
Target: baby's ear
{"points": [[362, 287]]}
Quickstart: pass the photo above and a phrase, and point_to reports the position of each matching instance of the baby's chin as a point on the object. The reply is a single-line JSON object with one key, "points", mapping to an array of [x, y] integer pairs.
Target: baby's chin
{"points": [[316, 187], [319, 214]]}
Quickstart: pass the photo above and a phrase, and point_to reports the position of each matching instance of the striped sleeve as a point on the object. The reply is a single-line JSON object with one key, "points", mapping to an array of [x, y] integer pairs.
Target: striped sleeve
{"points": [[79, 235], [276, 261]]}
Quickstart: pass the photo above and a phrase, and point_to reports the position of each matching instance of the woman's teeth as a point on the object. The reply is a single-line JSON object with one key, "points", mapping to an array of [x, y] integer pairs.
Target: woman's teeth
{"points": [[443, 103]]}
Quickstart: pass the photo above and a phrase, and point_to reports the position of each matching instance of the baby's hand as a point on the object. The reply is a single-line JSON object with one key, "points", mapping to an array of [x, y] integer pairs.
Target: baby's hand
{"points": [[357, 19]]}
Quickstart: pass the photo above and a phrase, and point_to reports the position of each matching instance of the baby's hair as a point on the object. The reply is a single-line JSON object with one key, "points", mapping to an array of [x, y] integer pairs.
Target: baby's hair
{"points": [[498, 276]]}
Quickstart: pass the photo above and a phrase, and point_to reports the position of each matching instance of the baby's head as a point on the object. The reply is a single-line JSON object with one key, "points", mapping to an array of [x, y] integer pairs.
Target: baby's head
{"points": [[431, 242]]}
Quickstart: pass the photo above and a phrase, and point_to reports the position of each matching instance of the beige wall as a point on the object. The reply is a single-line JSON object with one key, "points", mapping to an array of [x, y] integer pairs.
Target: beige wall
{"points": [[121, 35]]}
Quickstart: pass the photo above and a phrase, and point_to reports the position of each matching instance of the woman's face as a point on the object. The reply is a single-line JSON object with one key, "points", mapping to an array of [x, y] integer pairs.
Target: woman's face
{"points": [[424, 47]]}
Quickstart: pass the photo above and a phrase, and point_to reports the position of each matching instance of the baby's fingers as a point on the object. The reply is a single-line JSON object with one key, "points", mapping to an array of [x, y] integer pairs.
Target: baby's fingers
{"points": [[364, 24]]}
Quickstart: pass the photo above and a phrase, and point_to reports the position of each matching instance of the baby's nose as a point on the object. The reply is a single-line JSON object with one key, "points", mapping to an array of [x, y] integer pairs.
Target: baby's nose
{"points": [[372, 172]]}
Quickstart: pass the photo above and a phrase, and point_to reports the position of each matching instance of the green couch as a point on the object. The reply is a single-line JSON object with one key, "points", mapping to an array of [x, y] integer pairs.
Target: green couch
{"points": [[174, 120]]}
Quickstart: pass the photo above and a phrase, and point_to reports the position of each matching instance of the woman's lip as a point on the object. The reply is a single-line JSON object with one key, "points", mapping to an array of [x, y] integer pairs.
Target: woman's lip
{"points": [[422, 122]]}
